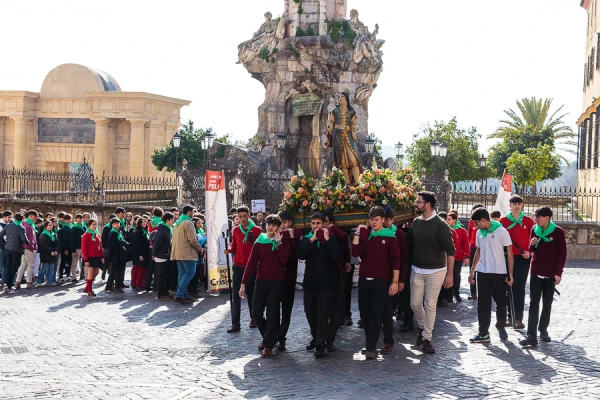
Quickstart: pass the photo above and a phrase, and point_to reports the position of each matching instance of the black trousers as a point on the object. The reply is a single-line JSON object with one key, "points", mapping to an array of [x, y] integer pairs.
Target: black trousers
{"points": [[491, 286], [336, 317], [11, 266], [371, 301], [388, 318], [267, 296], [520, 274], [238, 273], [115, 277], [473, 286], [65, 264], [150, 273], [318, 307], [449, 293], [544, 289], [161, 276], [287, 304], [347, 283], [172, 276], [404, 307]]}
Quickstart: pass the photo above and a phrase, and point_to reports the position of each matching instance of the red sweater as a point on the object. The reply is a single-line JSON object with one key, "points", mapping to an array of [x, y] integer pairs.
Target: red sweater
{"points": [[550, 257], [268, 264], [342, 238], [472, 234], [91, 248], [461, 243], [240, 249], [377, 256], [519, 234], [291, 268]]}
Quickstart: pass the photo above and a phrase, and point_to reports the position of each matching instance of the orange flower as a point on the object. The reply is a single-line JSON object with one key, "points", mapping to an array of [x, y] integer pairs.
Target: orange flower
{"points": [[305, 203], [339, 202], [377, 172], [288, 195], [294, 179], [300, 190], [367, 198], [324, 191], [352, 189], [382, 190]]}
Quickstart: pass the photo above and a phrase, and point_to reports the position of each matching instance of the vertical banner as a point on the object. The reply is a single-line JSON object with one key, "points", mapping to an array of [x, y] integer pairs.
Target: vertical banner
{"points": [[504, 193], [216, 224]]}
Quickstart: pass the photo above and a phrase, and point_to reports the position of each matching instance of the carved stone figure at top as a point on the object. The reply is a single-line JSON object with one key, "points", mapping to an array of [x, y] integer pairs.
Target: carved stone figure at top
{"points": [[264, 37], [341, 137], [367, 46]]}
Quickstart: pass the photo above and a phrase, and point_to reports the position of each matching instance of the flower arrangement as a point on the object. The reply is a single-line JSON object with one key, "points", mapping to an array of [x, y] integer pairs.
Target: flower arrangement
{"points": [[376, 186]]}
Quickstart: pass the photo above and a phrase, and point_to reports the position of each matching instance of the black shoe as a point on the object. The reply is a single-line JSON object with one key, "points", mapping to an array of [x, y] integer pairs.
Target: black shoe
{"points": [[427, 347], [371, 354], [281, 346], [319, 353], [458, 298], [544, 336], [480, 338], [311, 346], [420, 338], [529, 341], [407, 327]]}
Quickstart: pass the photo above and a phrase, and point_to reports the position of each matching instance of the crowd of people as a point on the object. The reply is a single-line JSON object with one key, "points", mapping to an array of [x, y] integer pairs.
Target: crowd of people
{"points": [[405, 271]]}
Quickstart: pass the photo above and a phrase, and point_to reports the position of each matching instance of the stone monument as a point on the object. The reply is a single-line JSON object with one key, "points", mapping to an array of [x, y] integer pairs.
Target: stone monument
{"points": [[306, 59]]}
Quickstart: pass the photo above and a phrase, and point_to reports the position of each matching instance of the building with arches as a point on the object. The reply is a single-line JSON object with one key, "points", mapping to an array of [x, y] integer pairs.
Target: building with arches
{"points": [[81, 112]]}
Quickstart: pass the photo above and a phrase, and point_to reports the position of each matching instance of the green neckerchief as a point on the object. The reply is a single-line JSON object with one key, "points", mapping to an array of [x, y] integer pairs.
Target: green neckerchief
{"points": [[182, 217], [385, 232], [30, 222], [250, 226], [458, 225], [515, 221], [495, 225], [119, 232], [146, 233], [93, 233], [17, 223], [49, 233], [68, 225], [84, 224], [78, 225], [60, 224], [164, 224], [310, 235], [155, 222], [200, 231], [264, 239], [543, 234], [393, 228], [123, 223]]}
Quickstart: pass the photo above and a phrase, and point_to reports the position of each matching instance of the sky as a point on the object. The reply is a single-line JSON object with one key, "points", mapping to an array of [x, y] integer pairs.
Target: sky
{"points": [[466, 58]]}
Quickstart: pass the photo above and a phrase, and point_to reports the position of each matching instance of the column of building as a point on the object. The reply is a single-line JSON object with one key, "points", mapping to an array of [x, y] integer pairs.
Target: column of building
{"points": [[102, 163], [138, 159]]}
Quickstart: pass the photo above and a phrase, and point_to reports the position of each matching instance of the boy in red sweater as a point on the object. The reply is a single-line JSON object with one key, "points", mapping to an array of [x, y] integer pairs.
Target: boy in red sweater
{"points": [[243, 237], [461, 242], [379, 253], [549, 249], [267, 262], [519, 228], [472, 235]]}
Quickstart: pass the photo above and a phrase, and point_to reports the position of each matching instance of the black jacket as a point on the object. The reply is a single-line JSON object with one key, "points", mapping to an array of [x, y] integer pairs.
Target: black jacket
{"points": [[161, 243], [75, 237], [140, 246], [321, 263], [3, 241], [114, 250], [64, 238], [15, 237], [47, 246], [104, 237]]}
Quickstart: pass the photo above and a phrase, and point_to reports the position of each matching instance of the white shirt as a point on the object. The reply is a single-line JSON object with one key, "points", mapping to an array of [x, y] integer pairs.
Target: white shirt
{"points": [[425, 271], [491, 251]]}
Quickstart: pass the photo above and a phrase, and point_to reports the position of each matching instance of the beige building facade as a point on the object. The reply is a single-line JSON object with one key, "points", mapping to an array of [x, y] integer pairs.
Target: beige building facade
{"points": [[81, 112]]}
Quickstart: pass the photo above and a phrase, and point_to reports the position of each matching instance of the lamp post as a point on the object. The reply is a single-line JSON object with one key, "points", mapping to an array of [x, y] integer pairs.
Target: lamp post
{"points": [[482, 162], [439, 151], [281, 144], [207, 144], [176, 144], [399, 154], [369, 145]]}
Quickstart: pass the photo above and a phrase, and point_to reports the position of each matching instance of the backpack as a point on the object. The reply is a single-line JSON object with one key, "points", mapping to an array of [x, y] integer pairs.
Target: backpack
{"points": [[125, 254]]}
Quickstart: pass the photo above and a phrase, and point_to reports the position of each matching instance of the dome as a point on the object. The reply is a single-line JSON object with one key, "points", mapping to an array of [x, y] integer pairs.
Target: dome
{"points": [[73, 80]]}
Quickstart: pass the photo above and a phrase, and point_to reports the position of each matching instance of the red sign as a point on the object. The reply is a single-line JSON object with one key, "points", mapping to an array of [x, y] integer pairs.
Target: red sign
{"points": [[214, 180], [506, 182]]}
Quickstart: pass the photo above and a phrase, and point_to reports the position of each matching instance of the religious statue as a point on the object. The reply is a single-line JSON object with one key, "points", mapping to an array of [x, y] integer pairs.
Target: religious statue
{"points": [[264, 37], [341, 137], [367, 46]]}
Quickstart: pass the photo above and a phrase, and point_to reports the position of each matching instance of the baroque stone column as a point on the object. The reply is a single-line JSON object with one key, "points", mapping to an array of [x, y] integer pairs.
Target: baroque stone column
{"points": [[20, 143], [137, 159], [102, 159], [2, 136]]}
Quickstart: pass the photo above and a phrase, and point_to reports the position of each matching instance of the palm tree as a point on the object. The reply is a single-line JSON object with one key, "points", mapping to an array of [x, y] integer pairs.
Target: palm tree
{"points": [[535, 117]]}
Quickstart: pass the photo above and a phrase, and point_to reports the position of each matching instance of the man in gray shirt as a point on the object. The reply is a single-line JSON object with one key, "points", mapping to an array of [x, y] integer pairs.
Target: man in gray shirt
{"points": [[433, 264]]}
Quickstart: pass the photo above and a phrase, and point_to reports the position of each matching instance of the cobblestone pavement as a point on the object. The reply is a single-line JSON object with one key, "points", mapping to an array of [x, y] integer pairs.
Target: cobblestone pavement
{"points": [[55, 343]]}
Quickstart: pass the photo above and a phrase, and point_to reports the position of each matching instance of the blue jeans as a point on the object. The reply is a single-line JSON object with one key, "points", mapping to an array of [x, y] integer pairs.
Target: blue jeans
{"points": [[47, 270], [186, 269], [2, 262]]}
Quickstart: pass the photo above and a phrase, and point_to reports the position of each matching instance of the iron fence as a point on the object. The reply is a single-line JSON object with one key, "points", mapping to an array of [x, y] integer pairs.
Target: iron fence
{"points": [[567, 203]]}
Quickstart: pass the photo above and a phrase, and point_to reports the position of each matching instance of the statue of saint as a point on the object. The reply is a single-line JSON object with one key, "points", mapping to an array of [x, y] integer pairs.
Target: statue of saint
{"points": [[341, 137], [264, 37], [366, 46]]}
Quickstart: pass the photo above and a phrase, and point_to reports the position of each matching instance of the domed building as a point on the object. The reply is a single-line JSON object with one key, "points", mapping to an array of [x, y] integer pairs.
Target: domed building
{"points": [[81, 112]]}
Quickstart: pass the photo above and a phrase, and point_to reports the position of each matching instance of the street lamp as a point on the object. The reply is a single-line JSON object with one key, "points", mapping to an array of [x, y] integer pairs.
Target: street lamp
{"points": [[281, 141], [399, 153], [369, 145], [207, 142], [443, 150], [439, 152], [176, 144], [482, 162], [435, 148]]}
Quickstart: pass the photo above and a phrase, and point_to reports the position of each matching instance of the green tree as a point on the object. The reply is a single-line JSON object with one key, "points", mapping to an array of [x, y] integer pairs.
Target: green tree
{"points": [[463, 152], [531, 167], [190, 149], [535, 118]]}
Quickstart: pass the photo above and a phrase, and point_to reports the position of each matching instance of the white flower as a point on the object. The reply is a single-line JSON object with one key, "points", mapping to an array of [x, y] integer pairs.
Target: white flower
{"points": [[314, 206], [385, 202], [362, 203]]}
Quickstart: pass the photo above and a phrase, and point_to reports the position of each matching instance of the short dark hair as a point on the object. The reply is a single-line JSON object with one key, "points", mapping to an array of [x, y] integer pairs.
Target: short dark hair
{"points": [[376, 211], [242, 209], [48, 214], [479, 214], [389, 213], [7, 213], [233, 210], [285, 216], [187, 208], [78, 216], [61, 214], [515, 199], [429, 197], [496, 214], [318, 215], [476, 206], [329, 215], [267, 209], [115, 221], [543, 211], [67, 217], [119, 210], [273, 219], [201, 216], [168, 216], [91, 221], [19, 217], [39, 221], [32, 212], [443, 214], [173, 209], [453, 214], [86, 214], [112, 216], [157, 212]]}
